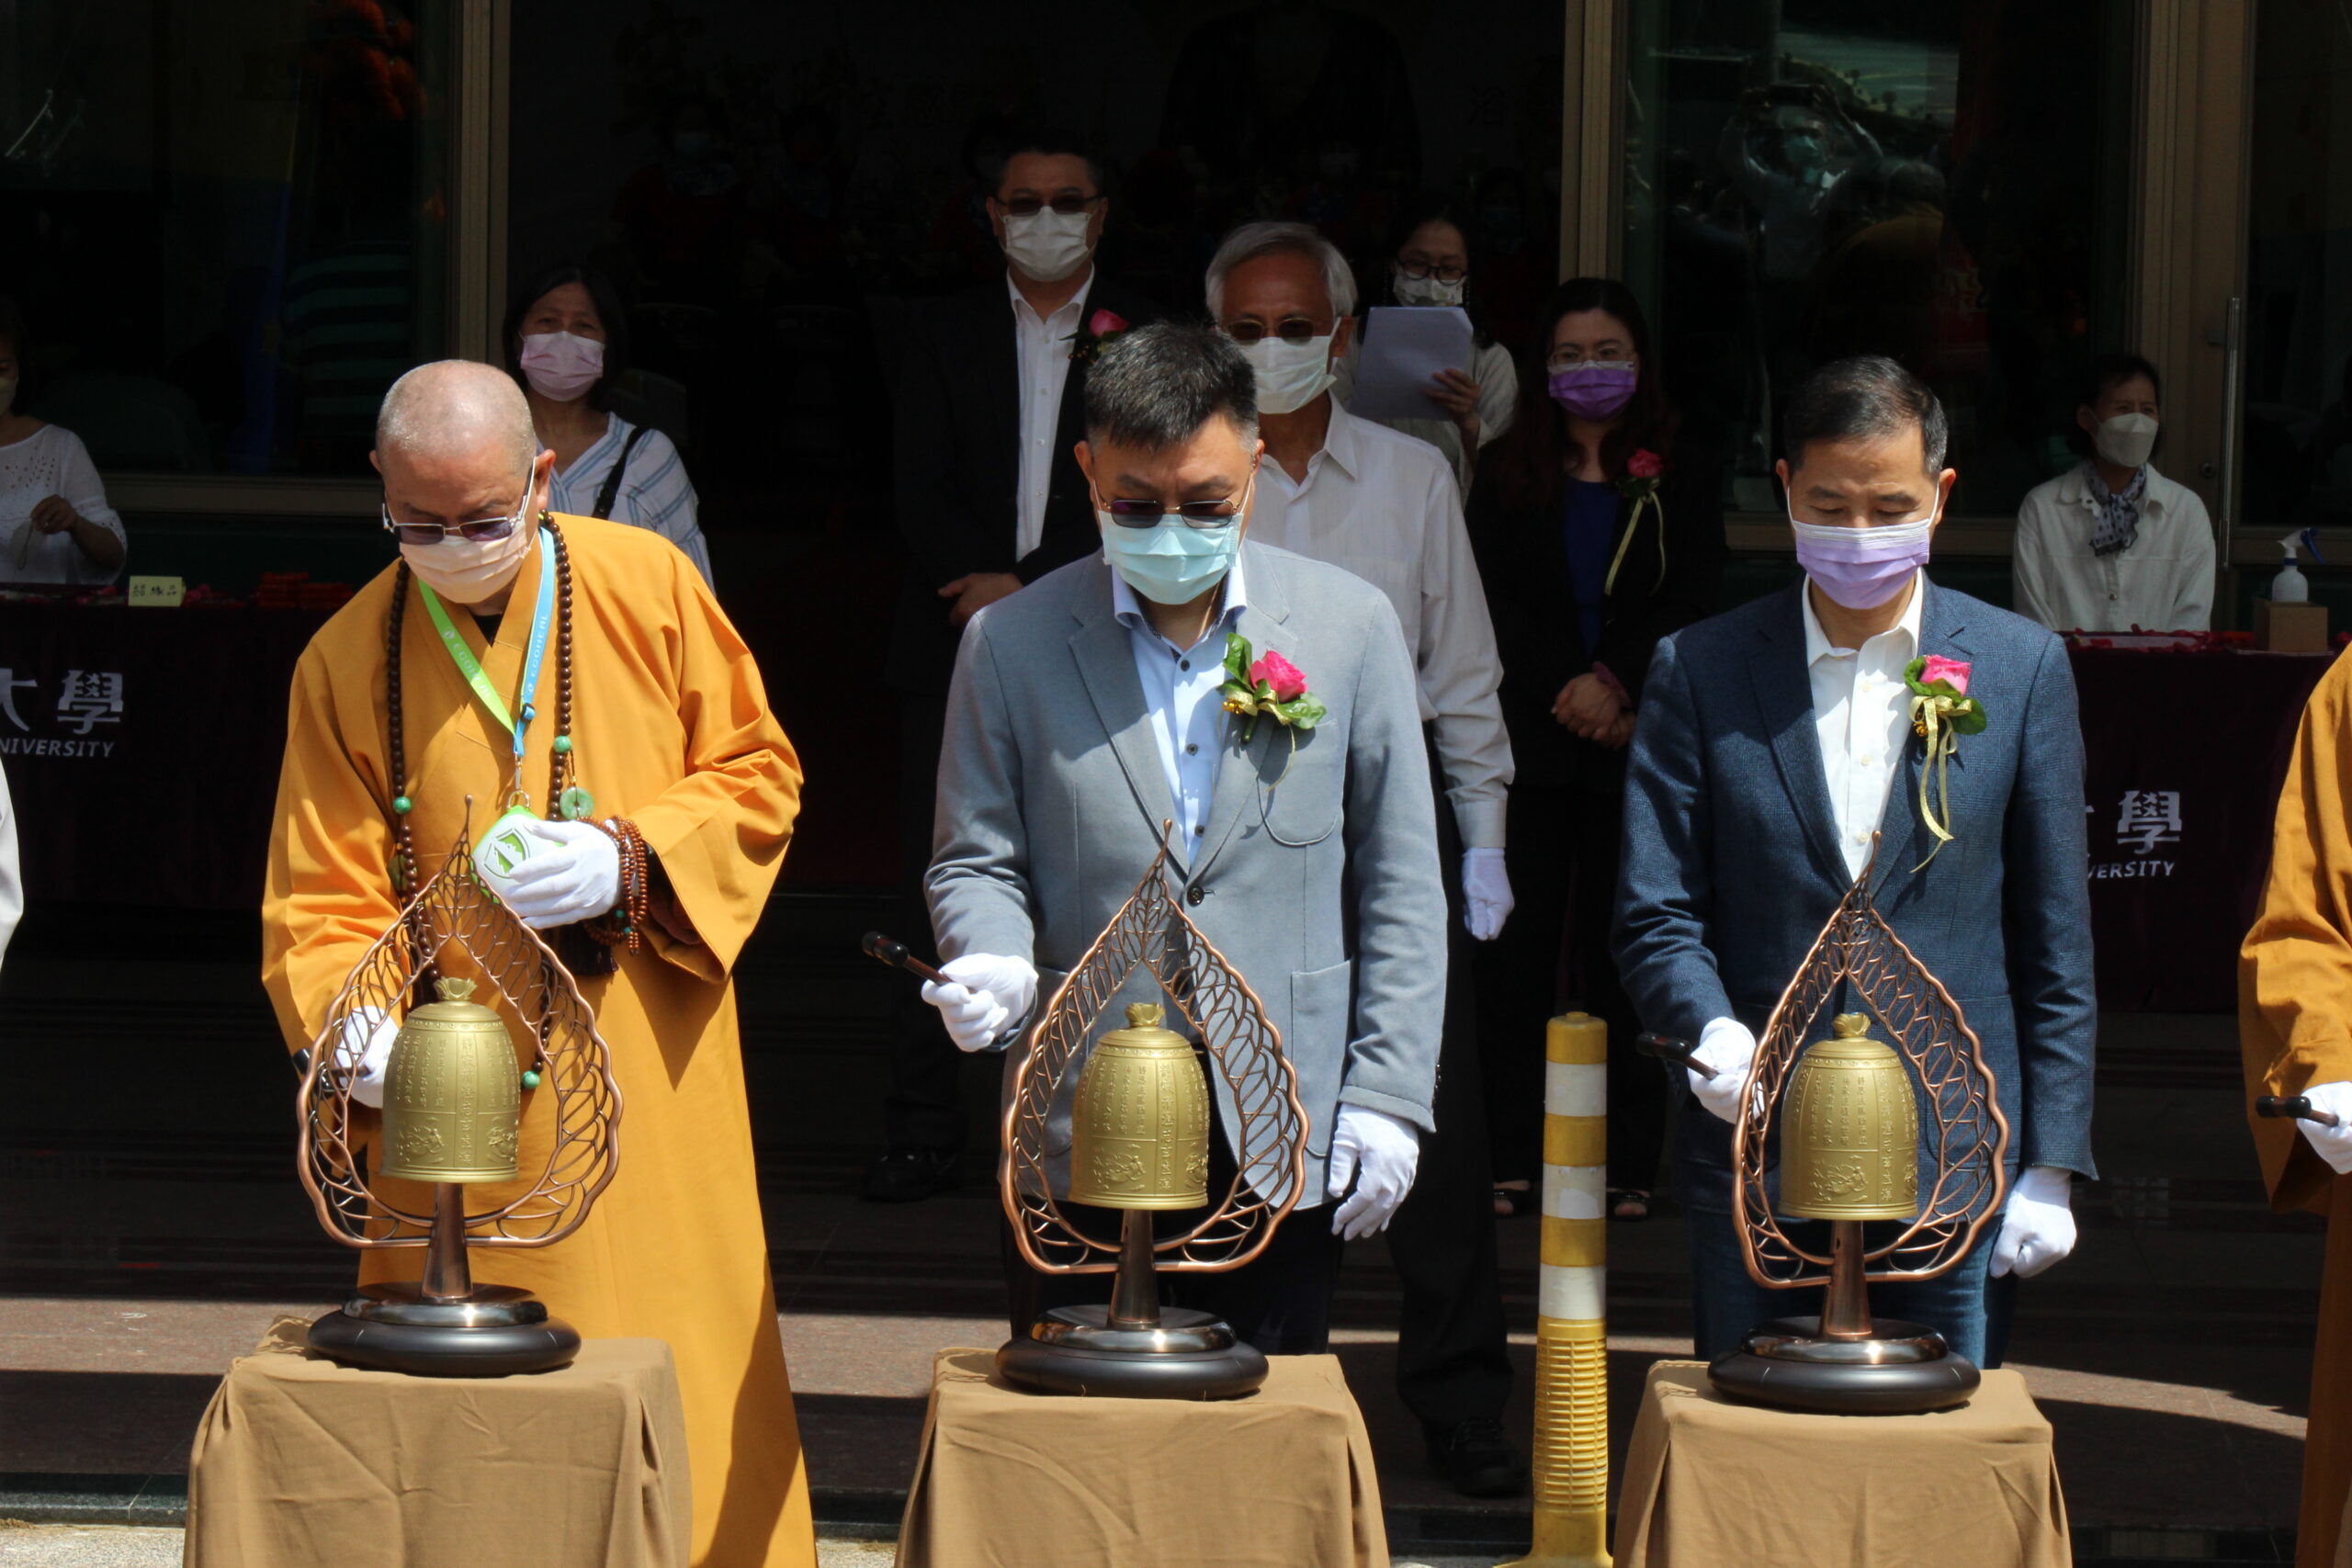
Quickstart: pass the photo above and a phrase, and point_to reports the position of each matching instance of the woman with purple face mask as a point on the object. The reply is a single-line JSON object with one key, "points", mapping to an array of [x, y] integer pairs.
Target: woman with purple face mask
{"points": [[1597, 532], [567, 343]]}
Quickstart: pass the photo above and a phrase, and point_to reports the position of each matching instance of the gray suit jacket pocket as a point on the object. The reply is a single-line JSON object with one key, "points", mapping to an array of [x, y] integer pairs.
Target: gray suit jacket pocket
{"points": [[1322, 1010]]}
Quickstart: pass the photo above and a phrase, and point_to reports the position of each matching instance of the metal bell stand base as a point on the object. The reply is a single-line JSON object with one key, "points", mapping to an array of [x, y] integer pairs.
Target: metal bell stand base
{"points": [[1133, 1349], [446, 1325], [1903, 1369], [1841, 1362]]}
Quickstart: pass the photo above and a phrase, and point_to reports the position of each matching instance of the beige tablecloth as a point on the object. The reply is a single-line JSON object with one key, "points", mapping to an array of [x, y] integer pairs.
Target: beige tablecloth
{"points": [[302, 1463], [1283, 1479], [1710, 1482]]}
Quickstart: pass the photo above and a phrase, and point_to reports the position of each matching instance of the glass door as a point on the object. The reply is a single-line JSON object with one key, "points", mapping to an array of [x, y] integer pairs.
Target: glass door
{"points": [[2296, 466], [1947, 184]]}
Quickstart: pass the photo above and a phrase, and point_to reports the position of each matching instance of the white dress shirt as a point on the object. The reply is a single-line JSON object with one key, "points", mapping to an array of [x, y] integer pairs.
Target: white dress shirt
{"points": [[1043, 343], [2162, 582], [1386, 507], [1861, 711], [1179, 693]]}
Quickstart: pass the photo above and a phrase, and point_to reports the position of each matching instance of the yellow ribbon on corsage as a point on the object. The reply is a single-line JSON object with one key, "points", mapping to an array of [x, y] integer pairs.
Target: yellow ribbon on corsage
{"points": [[1942, 712], [1645, 473]]}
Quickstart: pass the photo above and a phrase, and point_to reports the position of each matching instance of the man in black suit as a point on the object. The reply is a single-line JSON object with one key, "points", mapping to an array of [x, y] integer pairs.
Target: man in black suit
{"points": [[990, 498]]}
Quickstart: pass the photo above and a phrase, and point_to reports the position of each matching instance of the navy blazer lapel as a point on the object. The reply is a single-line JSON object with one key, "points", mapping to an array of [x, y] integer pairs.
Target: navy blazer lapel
{"points": [[1106, 661], [1244, 769], [1904, 839], [1784, 687]]}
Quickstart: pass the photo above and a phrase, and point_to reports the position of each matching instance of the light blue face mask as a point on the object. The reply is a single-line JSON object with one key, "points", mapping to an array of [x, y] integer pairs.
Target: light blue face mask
{"points": [[1171, 562]]}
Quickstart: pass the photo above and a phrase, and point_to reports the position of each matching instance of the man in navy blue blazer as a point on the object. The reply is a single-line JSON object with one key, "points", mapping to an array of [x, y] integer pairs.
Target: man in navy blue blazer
{"points": [[1772, 742]]}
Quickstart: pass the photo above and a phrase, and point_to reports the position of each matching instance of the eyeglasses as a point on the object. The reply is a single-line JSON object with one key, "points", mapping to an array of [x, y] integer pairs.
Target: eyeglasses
{"points": [[1208, 514], [1069, 206], [1291, 330], [480, 532], [1442, 274], [1568, 359]]}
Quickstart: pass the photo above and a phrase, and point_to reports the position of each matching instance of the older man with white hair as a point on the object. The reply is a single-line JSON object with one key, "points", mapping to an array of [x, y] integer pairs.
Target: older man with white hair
{"points": [[583, 668], [1385, 506]]}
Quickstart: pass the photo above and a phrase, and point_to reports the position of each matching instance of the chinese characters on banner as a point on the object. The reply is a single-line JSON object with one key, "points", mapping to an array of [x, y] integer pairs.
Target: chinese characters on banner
{"points": [[86, 699]]}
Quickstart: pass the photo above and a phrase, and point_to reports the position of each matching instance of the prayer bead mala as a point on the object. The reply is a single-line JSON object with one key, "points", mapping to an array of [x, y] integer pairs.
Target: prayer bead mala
{"points": [[563, 797]]}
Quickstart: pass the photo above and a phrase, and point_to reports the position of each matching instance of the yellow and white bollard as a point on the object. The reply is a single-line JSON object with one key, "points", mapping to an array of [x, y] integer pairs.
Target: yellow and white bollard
{"points": [[1571, 1466]]}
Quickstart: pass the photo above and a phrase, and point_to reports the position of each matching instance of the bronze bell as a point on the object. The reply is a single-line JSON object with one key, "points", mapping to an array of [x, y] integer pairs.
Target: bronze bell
{"points": [[1139, 1126], [453, 1101], [1849, 1132]]}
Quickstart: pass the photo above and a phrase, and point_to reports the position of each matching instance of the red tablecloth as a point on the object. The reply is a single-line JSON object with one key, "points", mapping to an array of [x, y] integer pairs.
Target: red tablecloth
{"points": [[2185, 754]]}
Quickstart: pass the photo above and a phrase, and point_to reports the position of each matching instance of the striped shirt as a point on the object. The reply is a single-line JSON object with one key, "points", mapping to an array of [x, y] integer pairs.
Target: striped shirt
{"points": [[655, 492]]}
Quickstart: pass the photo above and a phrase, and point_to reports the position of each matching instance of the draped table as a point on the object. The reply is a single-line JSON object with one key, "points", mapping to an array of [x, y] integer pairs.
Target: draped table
{"points": [[1282, 1478], [301, 1463], [2184, 752], [1711, 1482]]}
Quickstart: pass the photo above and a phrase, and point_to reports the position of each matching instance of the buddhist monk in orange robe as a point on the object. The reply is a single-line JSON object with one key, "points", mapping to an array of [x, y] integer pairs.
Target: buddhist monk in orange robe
{"points": [[2295, 1023], [671, 730]]}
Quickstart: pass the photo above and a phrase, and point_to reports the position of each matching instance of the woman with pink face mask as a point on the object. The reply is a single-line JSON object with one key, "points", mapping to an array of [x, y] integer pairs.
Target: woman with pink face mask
{"points": [[567, 343]]}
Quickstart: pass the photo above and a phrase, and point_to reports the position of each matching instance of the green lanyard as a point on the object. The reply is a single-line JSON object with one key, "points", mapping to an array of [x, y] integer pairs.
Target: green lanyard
{"points": [[471, 667]]}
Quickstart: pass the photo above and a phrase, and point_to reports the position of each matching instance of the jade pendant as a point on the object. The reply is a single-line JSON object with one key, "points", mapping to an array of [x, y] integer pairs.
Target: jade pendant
{"points": [[576, 804]]}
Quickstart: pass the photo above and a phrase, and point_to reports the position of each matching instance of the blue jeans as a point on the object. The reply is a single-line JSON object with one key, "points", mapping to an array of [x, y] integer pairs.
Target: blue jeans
{"points": [[1970, 1309]]}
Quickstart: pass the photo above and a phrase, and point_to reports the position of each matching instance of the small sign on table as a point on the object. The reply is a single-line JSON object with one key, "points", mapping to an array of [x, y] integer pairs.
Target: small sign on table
{"points": [[158, 590]]}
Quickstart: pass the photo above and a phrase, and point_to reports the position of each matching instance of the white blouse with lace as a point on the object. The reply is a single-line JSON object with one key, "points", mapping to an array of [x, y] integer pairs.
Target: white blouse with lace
{"points": [[51, 461]]}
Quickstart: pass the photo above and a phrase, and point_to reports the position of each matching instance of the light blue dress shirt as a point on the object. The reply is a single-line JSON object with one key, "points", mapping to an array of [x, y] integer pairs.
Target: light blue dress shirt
{"points": [[1180, 692]]}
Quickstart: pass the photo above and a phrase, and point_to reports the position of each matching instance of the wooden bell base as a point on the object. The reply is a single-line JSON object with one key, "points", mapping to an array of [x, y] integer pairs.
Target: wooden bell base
{"points": [[497, 1331], [1187, 1355], [1901, 1370]]}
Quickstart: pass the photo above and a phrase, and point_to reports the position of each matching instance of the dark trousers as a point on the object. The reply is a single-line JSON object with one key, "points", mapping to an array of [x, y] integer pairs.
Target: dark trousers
{"points": [[1279, 1301], [925, 1106], [1452, 1356], [1563, 860], [1971, 1309]]}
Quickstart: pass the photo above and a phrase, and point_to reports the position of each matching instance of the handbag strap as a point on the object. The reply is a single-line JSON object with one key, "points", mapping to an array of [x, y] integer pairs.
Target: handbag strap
{"points": [[610, 491]]}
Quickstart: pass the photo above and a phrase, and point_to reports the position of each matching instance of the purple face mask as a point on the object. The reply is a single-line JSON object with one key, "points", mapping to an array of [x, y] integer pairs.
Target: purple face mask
{"points": [[1596, 389], [1862, 568]]}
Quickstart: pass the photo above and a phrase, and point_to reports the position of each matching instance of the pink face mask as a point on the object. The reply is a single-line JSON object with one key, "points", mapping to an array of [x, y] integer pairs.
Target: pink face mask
{"points": [[562, 366]]}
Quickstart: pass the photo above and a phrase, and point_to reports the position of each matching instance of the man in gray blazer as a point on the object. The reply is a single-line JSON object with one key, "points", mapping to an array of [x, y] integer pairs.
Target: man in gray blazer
{"points": [[1772, 742], [1085, 712]]}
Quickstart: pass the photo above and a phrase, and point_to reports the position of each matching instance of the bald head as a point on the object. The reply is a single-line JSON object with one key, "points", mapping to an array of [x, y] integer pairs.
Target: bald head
{"points": [[454, 444], [453, 409]]}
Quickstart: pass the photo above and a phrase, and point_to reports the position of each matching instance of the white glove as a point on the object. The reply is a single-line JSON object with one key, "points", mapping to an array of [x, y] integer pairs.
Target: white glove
{"points": [[988, 995], [364, 1051], [2332, 1145], [1379, 1152], [1486, 893], [2037, 1224], [572, 873], [1726, 1045]]}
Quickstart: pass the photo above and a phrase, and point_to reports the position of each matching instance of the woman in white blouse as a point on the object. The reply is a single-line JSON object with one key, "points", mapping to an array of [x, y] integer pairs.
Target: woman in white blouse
{"points": [[2112, 545], [55, 524], [1430, 265], [567, 343]]}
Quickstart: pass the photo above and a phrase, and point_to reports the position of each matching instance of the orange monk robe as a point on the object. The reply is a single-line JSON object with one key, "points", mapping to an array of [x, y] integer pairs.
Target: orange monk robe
{"points": [[2295, 1023], [670, 729]]}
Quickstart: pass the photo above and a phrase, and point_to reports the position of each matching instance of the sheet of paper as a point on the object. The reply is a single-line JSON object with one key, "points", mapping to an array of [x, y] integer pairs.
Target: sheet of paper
{"points": [[1404, 347]]}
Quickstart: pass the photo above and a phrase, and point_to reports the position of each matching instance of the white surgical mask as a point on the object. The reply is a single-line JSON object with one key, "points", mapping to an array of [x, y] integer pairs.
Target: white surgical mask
{"points": [[1048, 245], [2127, 439], [467, 572], [1411, 291], [1290, 375]]}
